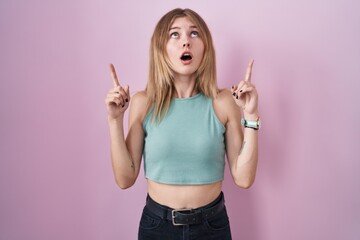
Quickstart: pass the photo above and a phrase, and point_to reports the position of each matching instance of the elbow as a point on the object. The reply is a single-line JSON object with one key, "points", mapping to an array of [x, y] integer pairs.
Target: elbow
{"points": [[124, 184], [244, 183]]}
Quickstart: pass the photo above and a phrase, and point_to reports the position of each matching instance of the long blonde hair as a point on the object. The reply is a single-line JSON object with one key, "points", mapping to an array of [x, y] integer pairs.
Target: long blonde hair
{"points": [[160, 87]]}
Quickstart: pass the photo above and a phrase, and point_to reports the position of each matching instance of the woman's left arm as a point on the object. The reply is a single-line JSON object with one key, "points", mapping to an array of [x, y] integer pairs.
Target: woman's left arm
{"points": [[242, 143]]}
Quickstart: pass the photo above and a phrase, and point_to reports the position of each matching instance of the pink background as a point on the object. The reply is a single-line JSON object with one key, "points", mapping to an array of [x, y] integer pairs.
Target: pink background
{"points": [[56, 179]]}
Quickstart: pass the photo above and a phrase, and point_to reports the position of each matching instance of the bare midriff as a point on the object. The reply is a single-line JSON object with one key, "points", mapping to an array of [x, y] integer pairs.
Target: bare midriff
{"points": [[184, 196]]}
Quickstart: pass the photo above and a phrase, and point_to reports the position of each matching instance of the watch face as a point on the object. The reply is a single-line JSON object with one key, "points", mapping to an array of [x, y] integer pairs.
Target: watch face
{"points": [[251, 124]]}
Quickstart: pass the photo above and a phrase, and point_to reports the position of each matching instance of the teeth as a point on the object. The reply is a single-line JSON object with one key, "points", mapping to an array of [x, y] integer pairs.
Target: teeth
{"points": [[186, 56]]}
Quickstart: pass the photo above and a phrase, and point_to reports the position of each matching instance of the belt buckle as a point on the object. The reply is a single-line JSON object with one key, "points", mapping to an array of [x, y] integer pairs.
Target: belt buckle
{"points": [[173, 215]]}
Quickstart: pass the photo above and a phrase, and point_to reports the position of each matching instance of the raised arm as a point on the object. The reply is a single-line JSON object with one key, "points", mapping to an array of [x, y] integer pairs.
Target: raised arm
{"points": [[125, 154], [242, 143]]}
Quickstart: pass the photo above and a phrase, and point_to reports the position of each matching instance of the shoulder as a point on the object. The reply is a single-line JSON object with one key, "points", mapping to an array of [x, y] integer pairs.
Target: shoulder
{"points": [[140, 97], [139, 105], [224, 96], [225, 106], [224, 100]]}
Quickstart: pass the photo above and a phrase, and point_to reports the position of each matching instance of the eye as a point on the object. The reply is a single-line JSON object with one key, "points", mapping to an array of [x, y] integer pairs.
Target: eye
{"points": [[174, 35], [194, 34]]}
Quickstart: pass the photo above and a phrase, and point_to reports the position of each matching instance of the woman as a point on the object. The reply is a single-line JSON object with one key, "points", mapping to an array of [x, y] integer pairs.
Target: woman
{"points": [[183, 125]]}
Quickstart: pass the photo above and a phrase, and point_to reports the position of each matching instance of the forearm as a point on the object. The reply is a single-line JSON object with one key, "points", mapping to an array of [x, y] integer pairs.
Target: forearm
{"points": [[246, 163], [122, 163]]}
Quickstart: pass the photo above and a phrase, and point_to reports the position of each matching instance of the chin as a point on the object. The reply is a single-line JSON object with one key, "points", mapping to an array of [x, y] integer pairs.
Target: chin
{"points": [[189, 74], [186, 72]]}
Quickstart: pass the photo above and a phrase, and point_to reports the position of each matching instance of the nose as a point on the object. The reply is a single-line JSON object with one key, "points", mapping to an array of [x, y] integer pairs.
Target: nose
{"points": [[186, 41]]}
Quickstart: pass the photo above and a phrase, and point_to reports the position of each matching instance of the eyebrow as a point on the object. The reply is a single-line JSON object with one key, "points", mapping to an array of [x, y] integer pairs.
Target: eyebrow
{"points": [[180, 28]]}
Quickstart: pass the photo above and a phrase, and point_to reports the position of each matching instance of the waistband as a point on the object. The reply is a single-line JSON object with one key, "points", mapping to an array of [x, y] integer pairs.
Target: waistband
{"points": [[181, 217]]}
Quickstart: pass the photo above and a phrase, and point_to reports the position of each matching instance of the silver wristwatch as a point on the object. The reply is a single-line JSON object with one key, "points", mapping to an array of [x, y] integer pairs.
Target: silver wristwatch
{"points": [[251, 124]]}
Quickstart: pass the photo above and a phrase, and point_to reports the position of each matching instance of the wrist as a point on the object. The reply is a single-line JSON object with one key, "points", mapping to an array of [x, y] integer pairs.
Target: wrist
{"points": [[116, 120], [251, 116]]}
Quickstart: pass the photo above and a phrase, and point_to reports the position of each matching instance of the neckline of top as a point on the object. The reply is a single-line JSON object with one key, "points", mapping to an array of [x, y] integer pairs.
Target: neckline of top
{"points": [[188, 98]]}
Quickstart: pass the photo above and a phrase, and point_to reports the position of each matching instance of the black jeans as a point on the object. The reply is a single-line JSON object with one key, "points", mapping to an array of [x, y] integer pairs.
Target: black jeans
{"points": [[155, 227]]}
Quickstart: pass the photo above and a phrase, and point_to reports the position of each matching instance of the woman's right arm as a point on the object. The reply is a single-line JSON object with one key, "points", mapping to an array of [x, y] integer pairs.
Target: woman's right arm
{"points": [[125, 154]]}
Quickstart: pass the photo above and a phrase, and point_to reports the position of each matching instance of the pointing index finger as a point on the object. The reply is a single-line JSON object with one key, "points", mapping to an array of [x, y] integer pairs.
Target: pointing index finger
{"points": [[248, 71], [113, 75]]}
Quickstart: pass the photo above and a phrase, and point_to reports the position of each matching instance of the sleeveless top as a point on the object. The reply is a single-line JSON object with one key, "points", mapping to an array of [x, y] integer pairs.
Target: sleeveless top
{"points": [[187, 147]]}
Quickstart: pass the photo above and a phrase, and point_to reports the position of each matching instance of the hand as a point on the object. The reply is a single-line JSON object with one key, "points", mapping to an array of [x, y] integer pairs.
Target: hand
{"points": [[118, 98], [245, 94]]}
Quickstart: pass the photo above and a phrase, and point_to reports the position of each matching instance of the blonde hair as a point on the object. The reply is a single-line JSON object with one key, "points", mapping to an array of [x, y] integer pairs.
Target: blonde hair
{"points": [[160, 87]]}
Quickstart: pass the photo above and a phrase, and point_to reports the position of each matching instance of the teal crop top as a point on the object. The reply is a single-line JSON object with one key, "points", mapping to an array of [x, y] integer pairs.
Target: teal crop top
{"points": [[187, 147]]}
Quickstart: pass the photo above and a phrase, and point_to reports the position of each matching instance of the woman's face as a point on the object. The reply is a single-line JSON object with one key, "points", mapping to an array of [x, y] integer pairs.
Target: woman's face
{"points": [[185, 47]]}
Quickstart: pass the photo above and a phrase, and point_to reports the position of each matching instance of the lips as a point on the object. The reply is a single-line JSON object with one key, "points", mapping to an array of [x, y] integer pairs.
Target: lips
{"points": [[186, 57]]}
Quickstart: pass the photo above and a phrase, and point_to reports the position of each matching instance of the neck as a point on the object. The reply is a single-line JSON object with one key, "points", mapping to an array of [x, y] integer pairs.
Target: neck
{"points": [[184, 86]]}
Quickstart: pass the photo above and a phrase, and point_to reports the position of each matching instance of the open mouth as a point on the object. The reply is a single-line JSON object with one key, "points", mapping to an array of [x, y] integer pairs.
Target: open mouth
{"points": [[186, 57]]}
